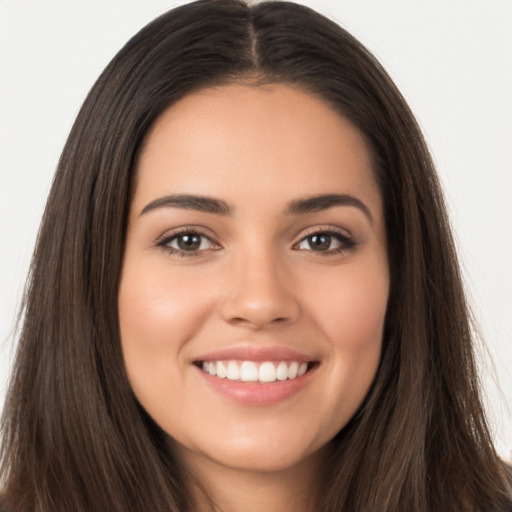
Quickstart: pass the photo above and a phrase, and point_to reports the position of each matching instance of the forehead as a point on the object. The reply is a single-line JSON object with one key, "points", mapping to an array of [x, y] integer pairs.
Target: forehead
{"points": [[273, 141]]}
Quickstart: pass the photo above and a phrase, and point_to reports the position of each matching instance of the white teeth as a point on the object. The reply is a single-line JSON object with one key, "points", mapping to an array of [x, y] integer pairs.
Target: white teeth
{"points": [[233, 372], [292, 370], [267, 372], [250, 371], [221, 370], [282, 371]]}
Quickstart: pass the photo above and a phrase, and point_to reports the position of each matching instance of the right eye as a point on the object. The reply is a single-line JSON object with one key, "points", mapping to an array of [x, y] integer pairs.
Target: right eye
{"points": [[321, 242], [187, 243], [326, 241]]}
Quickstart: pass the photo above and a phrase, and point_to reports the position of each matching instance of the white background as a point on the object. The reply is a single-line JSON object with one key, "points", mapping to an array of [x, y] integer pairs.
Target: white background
{"points": [[451, 59]]}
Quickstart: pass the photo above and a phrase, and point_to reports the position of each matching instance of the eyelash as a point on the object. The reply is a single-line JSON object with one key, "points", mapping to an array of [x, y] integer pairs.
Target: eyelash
{"points": [[346, 242], [166, 240]]}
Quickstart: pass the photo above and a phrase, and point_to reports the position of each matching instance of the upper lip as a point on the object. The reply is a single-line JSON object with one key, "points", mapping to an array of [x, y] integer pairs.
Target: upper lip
{"points": [[259, 354]]}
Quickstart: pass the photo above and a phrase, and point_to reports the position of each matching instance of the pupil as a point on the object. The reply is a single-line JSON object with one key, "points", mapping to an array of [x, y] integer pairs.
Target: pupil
{"points": [[320, 242], [189, 242]]}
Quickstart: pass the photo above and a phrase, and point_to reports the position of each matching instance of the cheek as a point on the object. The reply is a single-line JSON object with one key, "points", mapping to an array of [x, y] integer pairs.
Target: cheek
{"points": [[355, 319], [350, 313], [158, 313], [158, 307], [350, 306]]}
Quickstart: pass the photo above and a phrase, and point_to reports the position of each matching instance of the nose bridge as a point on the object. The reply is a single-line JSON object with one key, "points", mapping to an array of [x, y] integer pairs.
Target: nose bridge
{"points": [[260, 291]]}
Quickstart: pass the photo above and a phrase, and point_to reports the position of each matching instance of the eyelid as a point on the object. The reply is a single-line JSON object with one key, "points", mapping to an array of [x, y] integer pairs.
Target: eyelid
{"points": [[347, 241], [165, 239], [324, 228], [188, 228]]}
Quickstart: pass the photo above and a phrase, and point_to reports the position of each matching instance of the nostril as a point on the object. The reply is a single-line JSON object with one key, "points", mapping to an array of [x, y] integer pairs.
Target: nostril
{"points": [[257, 308], [238, 320]]}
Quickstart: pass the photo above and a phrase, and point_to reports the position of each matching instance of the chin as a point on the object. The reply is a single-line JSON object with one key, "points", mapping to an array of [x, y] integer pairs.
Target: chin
{"points": [[258, 453]]}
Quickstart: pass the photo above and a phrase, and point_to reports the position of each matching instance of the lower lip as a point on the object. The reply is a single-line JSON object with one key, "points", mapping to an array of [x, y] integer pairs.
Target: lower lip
{"points": [[257, 393]]}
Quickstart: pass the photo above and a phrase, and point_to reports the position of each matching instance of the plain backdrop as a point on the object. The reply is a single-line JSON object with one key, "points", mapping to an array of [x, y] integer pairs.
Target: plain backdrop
{"points": [[451, 59]]}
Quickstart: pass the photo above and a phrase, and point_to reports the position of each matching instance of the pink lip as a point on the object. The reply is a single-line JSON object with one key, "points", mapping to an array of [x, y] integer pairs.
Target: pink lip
{"points": [[257, 354], [256, 393]]}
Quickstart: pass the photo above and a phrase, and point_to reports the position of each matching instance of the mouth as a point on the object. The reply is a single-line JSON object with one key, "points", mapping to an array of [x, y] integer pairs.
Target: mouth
{"points": [[257, 376], [263, 372]]}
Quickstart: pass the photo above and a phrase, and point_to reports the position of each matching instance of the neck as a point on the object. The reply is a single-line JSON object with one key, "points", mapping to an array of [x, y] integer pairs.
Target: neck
{"points": [[217, 488]]}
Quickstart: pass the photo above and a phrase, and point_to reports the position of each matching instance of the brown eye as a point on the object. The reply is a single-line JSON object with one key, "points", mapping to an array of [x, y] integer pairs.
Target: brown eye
{"points": [[191, 242], [326, 243], [320, 242], [187, 243]]}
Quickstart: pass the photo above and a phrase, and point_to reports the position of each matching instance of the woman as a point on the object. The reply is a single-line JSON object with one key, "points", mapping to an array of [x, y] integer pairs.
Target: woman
{"points": [[244, 294]]}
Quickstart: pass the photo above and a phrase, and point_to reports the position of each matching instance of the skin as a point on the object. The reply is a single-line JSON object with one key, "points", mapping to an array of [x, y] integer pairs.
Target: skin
{"points": [[256, 281]]}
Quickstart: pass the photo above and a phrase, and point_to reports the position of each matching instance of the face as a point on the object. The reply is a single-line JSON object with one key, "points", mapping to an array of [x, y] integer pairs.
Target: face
{"points": [[255, 279]]}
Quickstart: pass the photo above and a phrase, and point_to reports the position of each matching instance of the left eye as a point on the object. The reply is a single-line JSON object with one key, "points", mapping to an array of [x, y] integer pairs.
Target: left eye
{"points": [[189, 242], [322, 242]]}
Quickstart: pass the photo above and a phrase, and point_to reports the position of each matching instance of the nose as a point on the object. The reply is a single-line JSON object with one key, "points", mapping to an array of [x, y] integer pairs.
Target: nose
{"points": [[260, 294]]}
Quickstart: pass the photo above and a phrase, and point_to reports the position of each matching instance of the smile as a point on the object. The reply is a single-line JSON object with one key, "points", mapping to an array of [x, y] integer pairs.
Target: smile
{"points": [[253, 371], [256, 376]]}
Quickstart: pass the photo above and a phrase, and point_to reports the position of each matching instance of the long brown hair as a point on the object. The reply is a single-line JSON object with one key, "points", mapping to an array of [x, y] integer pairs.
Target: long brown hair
{"points": [[74, 436]]}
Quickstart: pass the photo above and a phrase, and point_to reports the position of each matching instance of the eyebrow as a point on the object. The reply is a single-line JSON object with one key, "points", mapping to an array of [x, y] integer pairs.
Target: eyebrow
{"points": [[220, 207], [190, 202], [326, 201]]}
